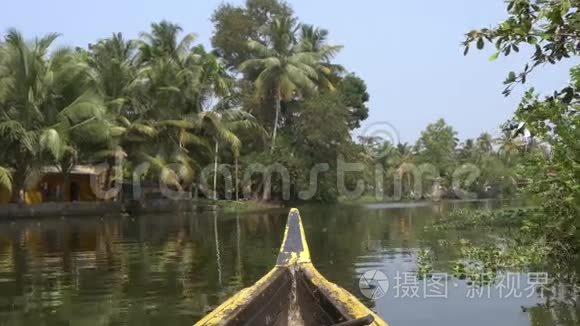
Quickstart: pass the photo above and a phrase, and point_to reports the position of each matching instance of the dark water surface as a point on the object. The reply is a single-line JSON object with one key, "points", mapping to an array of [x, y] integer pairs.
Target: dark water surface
{"points": [[169, 270]]}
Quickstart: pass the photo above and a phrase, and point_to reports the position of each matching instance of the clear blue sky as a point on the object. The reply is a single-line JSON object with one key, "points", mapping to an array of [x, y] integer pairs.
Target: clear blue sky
{"points": [[407, 51]]}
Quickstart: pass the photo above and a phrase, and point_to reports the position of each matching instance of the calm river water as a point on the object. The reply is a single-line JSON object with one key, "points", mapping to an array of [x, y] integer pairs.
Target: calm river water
{"points": [[170, 270]]}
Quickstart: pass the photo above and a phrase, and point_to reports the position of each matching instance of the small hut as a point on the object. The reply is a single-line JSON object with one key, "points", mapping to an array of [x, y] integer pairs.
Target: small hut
{"points": [[80, 184]]}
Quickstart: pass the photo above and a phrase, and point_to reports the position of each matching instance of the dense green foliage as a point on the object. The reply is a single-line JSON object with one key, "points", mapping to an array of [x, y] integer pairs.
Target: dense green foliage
{"points": [[552, 29], [166, 101], [439, 166], [268, 94], [544, 236]]}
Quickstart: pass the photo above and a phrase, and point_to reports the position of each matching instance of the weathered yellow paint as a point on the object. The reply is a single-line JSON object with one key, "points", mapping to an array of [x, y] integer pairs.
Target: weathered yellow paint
{"points": [[348, 301], [341, 298], [297, 257], [305, 255], [220, 314]]}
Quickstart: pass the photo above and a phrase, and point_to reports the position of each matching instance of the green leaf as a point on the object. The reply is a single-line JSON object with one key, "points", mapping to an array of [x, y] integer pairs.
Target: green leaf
{"points": [[494, 56], [564, 7], [466, 51], [510, 6], [480, 43], [5, 179], [51, 141]]}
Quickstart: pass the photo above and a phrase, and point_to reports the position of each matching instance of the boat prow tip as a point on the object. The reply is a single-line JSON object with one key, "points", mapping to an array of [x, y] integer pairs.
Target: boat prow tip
{"points": [[315, 298], [294, 247]]}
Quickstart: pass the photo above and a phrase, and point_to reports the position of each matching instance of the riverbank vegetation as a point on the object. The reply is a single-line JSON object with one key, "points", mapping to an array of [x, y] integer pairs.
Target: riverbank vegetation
{"points": [[543, 237], [202, 118]]}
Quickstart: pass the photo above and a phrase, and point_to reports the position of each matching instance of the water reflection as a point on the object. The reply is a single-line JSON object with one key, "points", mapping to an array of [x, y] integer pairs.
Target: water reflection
{"points": [[170, 270]]}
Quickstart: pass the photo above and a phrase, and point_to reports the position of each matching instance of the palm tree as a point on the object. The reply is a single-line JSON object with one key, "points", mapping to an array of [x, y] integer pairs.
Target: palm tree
{"points": [[404, 154], [509, 145], [214, 80], [467, 151], [23, 73], [314, 40], [113, 63], [485, 143], [42, 104], [402, 159], [162, 42], [165, 169], [222, 128], [280, 69], [168, 80], [165, 97], [81, 127]]}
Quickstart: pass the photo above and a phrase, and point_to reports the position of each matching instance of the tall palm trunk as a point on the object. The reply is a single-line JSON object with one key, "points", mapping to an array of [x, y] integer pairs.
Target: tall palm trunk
{"points": [[215, 166], [277, 106], [237, 180]]}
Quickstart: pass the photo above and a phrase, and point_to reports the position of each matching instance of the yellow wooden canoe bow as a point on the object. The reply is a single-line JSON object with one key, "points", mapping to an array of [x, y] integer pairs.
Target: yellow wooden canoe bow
{"points": [[293, 293]]}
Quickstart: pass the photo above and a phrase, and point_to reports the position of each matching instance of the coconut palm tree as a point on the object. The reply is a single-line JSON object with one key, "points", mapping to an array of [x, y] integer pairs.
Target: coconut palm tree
{"points": [[168, 79], [222, 127], [81, 127], [509, 145], [162, 42], [467, 151], [402, 160], [214, 80], [44, 104], [279, 68], [314, 40], [485, 143], [112, 61]]}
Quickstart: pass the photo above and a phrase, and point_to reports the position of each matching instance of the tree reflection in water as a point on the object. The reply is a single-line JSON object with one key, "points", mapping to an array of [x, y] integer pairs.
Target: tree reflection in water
{"points": [[171, 269]]}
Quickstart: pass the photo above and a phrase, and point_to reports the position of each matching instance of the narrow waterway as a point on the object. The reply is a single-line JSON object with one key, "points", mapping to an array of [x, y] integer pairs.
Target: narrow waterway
{"points": [[171, 270]]}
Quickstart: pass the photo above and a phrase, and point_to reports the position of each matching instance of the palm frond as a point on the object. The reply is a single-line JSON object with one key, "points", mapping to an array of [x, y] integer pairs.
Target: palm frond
{"points": [[87, 106], [13, 132], [51, 141], [143, 129], [5, 179], [267, 78], [46, 41], [108, 153], [14, 38], [176, 123], [300, 78], [117, 131], [185, 43], [187, 138], [259, 49]]}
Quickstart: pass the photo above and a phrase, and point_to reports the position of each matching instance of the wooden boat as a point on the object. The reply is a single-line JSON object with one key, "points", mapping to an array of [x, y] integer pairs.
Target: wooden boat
{"points": [[293, 293]]}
